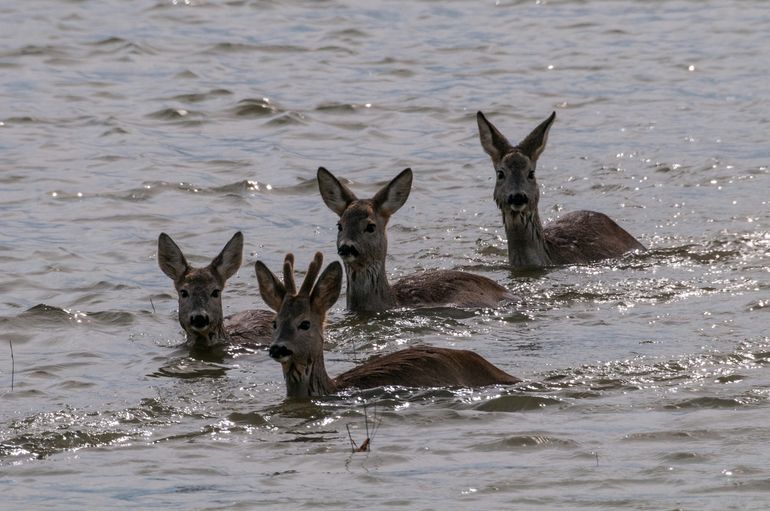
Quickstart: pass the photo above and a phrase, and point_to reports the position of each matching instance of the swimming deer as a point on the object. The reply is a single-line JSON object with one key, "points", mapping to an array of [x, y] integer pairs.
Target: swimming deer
{"points": [[362, 244], [200, 297], [298, 342], [574, 238]]}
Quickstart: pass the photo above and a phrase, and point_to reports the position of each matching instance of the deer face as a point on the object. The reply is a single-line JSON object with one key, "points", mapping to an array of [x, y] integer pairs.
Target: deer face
{"points": [[298, 338], [516, 189], [200, 302], [361, 237]]}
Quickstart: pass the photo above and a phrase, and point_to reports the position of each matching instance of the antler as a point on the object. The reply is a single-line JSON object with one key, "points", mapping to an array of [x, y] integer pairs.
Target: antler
{"points": [[312, 274], [288, 275]]}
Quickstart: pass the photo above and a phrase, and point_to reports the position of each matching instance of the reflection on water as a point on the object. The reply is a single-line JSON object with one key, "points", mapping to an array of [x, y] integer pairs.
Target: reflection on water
{"points": [[645, 378]]}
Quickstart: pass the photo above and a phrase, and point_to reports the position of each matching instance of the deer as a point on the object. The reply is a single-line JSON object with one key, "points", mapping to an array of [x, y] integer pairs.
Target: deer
{"points": [[298, 341], [578, 237], [200, 297], [362, 244]]}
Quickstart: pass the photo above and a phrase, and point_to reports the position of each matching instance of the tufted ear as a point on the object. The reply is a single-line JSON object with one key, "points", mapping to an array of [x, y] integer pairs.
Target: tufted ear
{"points": [[270, 288], [493, 142], [327, 289], [170, 258], [336, 196], [393, 195], [229, 259], [534, 144]]}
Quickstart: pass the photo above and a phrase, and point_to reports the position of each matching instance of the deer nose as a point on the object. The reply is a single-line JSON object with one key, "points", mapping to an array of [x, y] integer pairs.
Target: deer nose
{"points": [[199, 320], [517, 199], [346, 250], [279, 351]]}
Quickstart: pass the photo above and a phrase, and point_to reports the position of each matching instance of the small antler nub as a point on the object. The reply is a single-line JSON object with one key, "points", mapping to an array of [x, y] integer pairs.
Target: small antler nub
{"points": [[312, 274], [288, 274]]}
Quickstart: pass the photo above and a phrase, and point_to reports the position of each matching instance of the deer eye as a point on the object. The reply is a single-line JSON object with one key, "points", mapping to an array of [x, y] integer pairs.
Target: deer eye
{"points": [[500, 174], [215, 293], [370, 227], [184, 293], [305, 325], [531, 174], [339, 226], [275, 325]]}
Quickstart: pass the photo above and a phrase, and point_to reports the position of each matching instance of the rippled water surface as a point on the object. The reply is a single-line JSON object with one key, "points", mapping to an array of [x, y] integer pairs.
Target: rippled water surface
{"points": [[646, 378]]}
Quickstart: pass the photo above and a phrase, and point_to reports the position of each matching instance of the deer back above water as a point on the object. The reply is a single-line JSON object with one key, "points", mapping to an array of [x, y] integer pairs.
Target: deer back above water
{"points": [[298, 342], [362, 244], [200, 297], [578, 237]]}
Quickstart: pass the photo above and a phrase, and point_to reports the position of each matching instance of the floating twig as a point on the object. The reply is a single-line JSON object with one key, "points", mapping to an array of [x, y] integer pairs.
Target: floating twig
{"points": [[13, 363], [365, 445]]}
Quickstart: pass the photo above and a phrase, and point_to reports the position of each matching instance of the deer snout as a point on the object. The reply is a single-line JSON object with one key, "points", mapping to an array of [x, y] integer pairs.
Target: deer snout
{"points": [[347, 250], [517, 199], [279, 352], [199, 321]]}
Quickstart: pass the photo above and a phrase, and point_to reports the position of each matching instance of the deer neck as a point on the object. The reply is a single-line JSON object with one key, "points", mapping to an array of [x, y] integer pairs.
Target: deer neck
{"points": [[368, 289], [526, 243], [215, 336], [307, 380]]}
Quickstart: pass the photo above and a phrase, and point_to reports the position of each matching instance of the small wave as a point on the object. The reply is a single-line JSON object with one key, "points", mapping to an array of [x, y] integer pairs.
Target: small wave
{"points": [[516, 403], [255, 107], [201, 96], [288, 119], [525, 442], [175, 114]]}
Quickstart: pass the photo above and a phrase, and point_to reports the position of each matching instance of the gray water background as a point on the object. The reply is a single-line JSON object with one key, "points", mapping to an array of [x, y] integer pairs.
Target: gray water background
{"points": [[647, 378]]}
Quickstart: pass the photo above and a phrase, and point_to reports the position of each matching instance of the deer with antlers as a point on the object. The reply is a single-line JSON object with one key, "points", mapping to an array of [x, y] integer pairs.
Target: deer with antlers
{"points": [[298, 342]]}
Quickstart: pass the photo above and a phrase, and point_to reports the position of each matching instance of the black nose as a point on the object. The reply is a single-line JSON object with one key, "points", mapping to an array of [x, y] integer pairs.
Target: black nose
{"points": [[517, 199], [279, 351], [347, 251], [199, 320]]}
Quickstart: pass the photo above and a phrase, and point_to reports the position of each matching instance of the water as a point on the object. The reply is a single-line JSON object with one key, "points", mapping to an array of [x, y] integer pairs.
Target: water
{"points": [[647, 379]]}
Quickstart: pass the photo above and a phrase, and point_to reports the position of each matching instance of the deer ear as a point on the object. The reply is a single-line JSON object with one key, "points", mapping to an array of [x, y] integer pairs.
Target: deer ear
{"points": [[270, 288], [229, 259], [336, 196], [534, 144], [327, 289], [392, 196], [170, 258], [493, 142]]}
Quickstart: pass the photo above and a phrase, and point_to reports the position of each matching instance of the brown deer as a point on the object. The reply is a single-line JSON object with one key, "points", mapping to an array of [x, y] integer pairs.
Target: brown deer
{"points": [[362, 244], [200, 297], [575, 238], [298, 342]]}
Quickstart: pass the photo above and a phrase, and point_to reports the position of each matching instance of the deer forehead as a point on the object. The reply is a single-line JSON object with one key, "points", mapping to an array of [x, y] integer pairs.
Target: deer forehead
{"points": [[199, 279], [515, 161], [359, 211], [294, 306]]}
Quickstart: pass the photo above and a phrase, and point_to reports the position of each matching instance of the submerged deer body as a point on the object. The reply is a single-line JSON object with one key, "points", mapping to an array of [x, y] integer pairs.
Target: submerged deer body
{"points": [[362, 244], [200, 297], [575, 238], [298, 342]]}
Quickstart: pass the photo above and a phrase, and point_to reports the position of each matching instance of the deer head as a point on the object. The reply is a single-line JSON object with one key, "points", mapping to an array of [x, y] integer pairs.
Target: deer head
{"points": [[299, 322], [362, 240], [200, 289], [516, 190]]}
